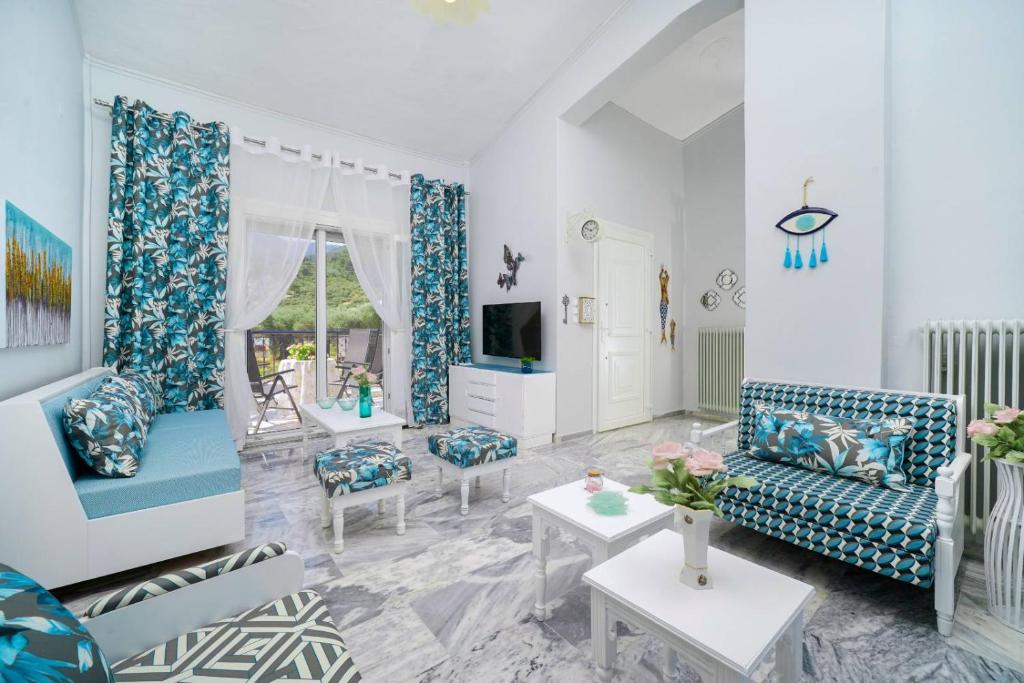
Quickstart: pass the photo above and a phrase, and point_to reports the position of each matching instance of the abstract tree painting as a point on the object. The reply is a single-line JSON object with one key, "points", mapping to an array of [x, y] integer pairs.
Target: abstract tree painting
{"points": [[36, 281]]}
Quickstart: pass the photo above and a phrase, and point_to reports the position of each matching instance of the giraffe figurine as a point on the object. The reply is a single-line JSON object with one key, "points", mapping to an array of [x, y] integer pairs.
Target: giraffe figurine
{"points": [[663, 308]]}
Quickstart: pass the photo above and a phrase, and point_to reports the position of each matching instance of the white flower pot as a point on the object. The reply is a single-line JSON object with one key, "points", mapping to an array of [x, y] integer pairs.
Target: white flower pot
{"points": [[694, 525], [1004, 548]]}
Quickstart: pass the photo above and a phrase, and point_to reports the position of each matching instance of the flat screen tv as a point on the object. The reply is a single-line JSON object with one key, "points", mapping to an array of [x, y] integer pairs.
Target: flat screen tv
{"points": [[512, 330]]}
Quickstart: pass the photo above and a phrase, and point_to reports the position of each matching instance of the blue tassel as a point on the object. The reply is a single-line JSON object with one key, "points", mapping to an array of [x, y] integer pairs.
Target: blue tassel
{"points": [[813, 261], [788, 261], [824, 252], [799, 263]]}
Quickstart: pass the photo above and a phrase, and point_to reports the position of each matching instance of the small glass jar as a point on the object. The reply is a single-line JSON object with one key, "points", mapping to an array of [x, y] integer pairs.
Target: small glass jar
{"points": [[594, 481]]}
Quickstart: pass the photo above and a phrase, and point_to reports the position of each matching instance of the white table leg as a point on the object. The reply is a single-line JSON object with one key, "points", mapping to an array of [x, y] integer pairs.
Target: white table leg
{"points": [[380, 507], [789, 652], [602, 636], [400, 511], [325, 509], [668, 662], [397, 437], [541, 548], [506, 485], [464, 510], [339, 528], [440, 480], [476, 482]]}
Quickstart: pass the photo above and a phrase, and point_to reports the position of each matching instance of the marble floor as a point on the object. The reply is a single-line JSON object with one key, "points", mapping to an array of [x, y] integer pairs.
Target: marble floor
{"points": [[450, 600]]}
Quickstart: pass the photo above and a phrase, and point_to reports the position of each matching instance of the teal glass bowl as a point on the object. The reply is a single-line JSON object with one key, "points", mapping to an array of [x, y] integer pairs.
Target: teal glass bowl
{"points": [[347, 403], [325, 403]]}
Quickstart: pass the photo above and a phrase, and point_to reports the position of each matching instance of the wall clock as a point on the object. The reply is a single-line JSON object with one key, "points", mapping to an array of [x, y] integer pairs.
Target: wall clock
{"points": [[584, 226], [587, 310]]}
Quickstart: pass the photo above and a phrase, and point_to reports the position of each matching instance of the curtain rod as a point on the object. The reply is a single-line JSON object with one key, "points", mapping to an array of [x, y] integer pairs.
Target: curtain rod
{"points": [[261, 142]]}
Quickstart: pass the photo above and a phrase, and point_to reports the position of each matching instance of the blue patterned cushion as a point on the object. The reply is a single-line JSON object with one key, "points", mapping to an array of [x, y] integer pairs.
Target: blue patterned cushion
{"points": [[868, 451], [469, 446], [932, 441], [40, 640], [891, 532], [361, 466], [107, 430], [140, 387]]}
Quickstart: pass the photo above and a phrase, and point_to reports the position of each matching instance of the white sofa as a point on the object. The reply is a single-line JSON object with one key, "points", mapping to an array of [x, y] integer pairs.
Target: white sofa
{"points": [[64, 524]]}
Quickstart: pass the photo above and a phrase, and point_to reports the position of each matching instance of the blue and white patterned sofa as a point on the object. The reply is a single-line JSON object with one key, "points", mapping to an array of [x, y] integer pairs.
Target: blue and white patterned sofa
{"points": [[915, 536], [186, 497]]}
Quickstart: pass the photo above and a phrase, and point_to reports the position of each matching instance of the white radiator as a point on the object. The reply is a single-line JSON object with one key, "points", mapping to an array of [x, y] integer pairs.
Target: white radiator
{"points": [[719, 370], [982, 360]]}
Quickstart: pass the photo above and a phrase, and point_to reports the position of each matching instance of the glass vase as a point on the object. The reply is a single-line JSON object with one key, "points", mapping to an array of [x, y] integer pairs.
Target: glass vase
{"points": [[365, 401]]}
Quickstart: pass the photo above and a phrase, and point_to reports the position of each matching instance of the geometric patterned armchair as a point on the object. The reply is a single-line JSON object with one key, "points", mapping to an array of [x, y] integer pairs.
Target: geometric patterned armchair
{"points": [[914, 536]]}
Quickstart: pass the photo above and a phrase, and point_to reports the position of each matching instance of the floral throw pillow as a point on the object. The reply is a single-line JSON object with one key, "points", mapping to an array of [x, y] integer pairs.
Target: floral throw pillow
{"points": [[107, 431], [865, 450], [40, 640]]}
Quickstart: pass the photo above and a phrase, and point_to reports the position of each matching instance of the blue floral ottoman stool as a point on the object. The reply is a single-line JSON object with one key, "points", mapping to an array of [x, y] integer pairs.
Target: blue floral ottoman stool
{"points": [[472, 451], [357, 474]]}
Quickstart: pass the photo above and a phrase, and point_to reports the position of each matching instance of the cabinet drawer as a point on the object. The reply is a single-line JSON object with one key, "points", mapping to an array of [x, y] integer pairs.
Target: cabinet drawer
{"points": [[480, 405], [488, 391], [474, 376], [482, 419]]}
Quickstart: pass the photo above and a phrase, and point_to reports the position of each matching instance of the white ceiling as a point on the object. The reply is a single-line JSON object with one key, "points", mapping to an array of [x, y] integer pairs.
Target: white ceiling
{"points": [[373, 67], [697, 83]]}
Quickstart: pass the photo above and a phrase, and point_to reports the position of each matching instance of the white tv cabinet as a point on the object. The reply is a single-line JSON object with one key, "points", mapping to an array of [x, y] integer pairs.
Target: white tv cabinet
{"points": [[505, 399]]}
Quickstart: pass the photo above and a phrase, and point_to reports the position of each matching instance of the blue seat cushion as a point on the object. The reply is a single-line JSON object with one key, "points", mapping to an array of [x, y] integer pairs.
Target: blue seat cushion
{"points": [[361, 466], [188, 455], [469, 446], [851, 514]]}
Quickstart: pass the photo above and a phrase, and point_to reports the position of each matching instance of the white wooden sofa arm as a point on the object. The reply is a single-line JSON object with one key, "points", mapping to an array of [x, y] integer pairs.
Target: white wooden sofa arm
{"points": [[132, 628], [947, 484], [697, 434], [949, 545]]}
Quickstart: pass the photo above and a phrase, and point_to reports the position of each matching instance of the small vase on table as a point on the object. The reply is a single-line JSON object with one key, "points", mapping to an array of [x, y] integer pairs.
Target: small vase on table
{"points": [[365, 401], [691, 478]]}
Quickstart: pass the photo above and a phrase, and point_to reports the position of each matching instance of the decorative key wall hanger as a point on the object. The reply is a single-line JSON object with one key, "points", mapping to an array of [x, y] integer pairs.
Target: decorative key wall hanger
{"points": [[806, 221]]}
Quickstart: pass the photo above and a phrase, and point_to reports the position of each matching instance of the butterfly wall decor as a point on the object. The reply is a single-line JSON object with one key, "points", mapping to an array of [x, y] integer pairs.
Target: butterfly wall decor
{"points": [[508, 280]]}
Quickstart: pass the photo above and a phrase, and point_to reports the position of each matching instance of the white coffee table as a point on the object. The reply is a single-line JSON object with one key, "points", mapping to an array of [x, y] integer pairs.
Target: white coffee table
{"points": [[347, 427], [565, 507], [724, 633]]}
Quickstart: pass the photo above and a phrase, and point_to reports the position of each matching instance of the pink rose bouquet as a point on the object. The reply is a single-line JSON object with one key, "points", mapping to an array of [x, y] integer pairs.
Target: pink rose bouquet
{"points": [[690, 476], [1001, 432], [363, 378]]}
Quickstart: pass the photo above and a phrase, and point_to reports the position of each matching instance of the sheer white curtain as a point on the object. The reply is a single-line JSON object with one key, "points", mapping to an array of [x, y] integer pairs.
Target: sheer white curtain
{"points": [[276, 198], [373, 210]]}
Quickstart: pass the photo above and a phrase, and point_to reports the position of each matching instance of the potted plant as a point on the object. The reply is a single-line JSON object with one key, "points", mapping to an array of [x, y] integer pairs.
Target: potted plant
{"points": [[1001, 433], [526, 364], [301, 351], [365, 380], [691, 478]]}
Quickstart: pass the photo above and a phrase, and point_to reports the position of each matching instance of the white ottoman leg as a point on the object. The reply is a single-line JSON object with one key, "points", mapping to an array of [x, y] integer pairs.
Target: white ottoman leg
{"points": [[325, 510], [465, 496], [339, 528], [440, 480], [380, 506], [506, 485], [400, 510]]}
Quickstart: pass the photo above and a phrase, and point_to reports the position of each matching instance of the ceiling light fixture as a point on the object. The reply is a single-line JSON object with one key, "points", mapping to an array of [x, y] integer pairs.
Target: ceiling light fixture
{"points": [[463, 12]]}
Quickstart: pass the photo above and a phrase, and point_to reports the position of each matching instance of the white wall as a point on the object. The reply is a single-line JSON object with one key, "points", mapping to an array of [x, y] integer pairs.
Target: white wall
{"points": [[105, 82], [714, 230], [814, 106], [515, 192], [625, 171], [955, 243], [41, 162]]}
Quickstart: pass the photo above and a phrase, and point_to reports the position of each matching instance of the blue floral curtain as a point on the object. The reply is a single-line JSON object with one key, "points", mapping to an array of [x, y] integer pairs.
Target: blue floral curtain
{"points": [[167, 240], [440, 293]]}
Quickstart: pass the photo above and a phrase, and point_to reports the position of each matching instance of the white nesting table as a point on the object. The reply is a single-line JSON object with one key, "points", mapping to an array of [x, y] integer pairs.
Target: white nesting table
{"points": [[724, 632], [565, 507], [346, 426]]}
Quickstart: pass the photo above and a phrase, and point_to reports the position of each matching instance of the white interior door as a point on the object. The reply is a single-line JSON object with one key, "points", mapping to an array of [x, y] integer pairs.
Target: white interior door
{"points": [[624, 329]]}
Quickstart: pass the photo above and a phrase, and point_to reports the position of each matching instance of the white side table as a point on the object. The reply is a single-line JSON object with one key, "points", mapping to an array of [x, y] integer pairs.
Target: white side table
{"points": [[565, 507], [724, 633], [347, 427]]}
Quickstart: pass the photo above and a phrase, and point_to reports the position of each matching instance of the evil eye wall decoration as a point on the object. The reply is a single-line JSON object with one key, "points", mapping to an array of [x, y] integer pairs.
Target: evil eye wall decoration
{"points": [[806, 221]]}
